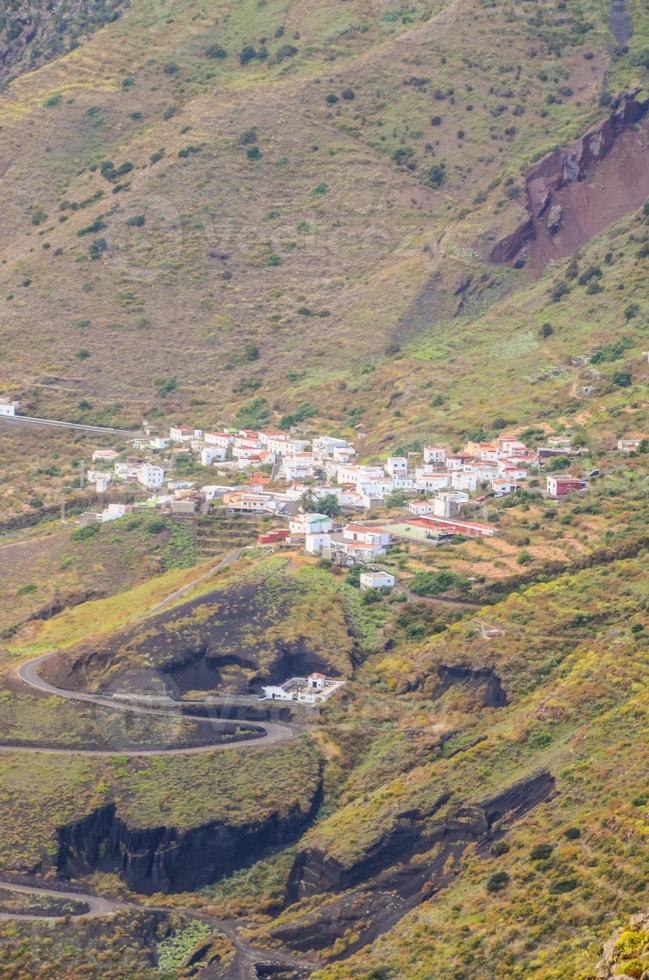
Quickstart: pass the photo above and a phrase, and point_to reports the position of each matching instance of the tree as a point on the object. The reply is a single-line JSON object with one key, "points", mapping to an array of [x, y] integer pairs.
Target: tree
{"points": [[329, 505]]}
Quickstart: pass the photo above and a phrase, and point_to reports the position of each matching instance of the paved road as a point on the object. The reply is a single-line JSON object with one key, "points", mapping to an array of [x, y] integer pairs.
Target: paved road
{"points": [[275, 732], [246, 956], [223, 563], [56, 423], [97, 906]]}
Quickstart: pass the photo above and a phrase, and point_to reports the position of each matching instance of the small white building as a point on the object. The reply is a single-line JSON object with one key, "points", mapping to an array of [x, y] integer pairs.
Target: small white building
{"points": [[113, 512], [435, 455], [298, 466], [310, 523], [344, 454], [448, 503], [222, 439], [502, 487], [315, 543], [101, 479], [9, 407], [376, 580], [150, 476], [324, 446], [464, 480], [104, 455], [212, 454], [396, 466], [306, 690], [181, 433], [430, 480], [628, 445], [367, 534], [158, 443]]}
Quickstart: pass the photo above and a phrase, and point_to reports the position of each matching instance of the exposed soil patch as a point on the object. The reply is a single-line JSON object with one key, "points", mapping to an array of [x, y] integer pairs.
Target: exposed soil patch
{"points": [[577, 191], [619, 22]]}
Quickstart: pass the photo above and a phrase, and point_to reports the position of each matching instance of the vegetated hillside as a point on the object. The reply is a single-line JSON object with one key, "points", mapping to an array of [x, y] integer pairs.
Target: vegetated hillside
{"points": [[263, 626], [242, 192], [507, 851], [35, 31]]}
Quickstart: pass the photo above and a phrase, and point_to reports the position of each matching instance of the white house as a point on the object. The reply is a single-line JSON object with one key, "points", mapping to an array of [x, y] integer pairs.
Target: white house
{"points": [[315, 543], [101, 479], [125, 470], [298, 466], [324, 446], [158, 443], [458, 461], [150, 476], [212, 454], [104, 455], [8, 407], [307, 690], [435, 455], [420, 508], [376, 580], [628, 445], [396, 466], [222, 439], [343, 454], [448, 503], [252, 503], [511, 446], [113, 512], [484, 470], [512, 470], [366, 534], [430, 480], [402, 482], [181, 433], [501, 487], [310, 523], [464, 480]]}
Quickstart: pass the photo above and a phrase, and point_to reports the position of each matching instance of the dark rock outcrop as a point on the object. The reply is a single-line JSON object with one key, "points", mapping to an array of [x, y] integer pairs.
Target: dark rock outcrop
{"points": [[406, 867], [164, 859], [314, 872]]}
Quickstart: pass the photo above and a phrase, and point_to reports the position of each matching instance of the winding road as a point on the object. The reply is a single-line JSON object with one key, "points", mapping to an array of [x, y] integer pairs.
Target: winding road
{"points": [[246, 958], [28, 673]]}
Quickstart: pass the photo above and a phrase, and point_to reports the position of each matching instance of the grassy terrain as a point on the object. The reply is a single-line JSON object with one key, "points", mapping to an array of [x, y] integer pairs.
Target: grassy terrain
{"points": [[242, 237], [41, 792]]}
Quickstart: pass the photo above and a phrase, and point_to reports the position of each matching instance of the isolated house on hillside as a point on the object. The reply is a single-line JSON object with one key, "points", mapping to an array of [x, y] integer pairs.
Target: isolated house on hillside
{"points": [[561, 486]]}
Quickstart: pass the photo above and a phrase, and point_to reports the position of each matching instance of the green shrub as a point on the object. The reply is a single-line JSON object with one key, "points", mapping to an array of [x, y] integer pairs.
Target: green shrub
{"points": [[497, 881], [541, 852], [436, 174], [216, 51], [563, 885], [85, 533]]}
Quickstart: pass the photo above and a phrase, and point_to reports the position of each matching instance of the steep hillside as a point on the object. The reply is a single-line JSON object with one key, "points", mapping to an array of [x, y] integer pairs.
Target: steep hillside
{"points": [[184, 184]]}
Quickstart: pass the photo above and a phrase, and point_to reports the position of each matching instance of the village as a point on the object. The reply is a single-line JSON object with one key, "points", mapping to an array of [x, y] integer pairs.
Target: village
{"points": [[320, 498]]}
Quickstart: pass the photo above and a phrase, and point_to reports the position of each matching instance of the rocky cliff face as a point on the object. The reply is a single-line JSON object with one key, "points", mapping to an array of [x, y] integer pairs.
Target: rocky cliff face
{"points": [[315, 872], [165, 859], [576, 191], [419, 857]]}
